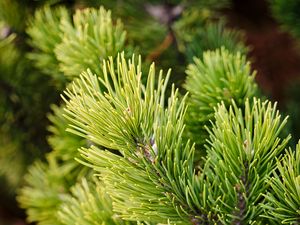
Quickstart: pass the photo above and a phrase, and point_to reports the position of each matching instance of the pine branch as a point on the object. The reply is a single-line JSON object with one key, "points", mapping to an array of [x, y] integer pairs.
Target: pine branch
{"points": [[148, 181], [22, 126], [133, 136], [213, 36], [45, 34], [283, 200], [88, 204], [93, 37], [242, 153], [219, 76], [44, 191], [47, 184], [63, 144], [65, 47]]}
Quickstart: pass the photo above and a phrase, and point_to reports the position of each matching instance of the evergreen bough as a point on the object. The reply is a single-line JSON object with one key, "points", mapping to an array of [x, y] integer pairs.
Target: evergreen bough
{"points": [[44, 192], [46, 34], [241, 154], [48, 183], [133, 119], [283, 200], [220, 76], [93, 37], [135, 162], [64, 46], [213, 36], [147, 168], [89, 204]]}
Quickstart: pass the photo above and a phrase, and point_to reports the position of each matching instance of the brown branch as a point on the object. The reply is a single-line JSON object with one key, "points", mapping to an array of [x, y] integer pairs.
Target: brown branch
{"points": [[161, 48]]}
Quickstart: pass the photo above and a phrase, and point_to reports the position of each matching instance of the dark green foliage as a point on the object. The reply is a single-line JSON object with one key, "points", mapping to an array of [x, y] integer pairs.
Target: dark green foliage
{"points": [[10, 152], [159, 31], [45, 188], [13, 13], [292, 109], [22, 126], [47, 184], [213, 36], [46, 34], [287, 12]]}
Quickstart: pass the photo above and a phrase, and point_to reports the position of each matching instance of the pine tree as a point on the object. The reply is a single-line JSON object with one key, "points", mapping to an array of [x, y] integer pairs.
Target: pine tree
{"points": [[127, 145]]}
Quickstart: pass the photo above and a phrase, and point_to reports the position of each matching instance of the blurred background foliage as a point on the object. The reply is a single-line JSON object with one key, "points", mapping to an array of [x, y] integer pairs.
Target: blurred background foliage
{"points": [[35, 49]]}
